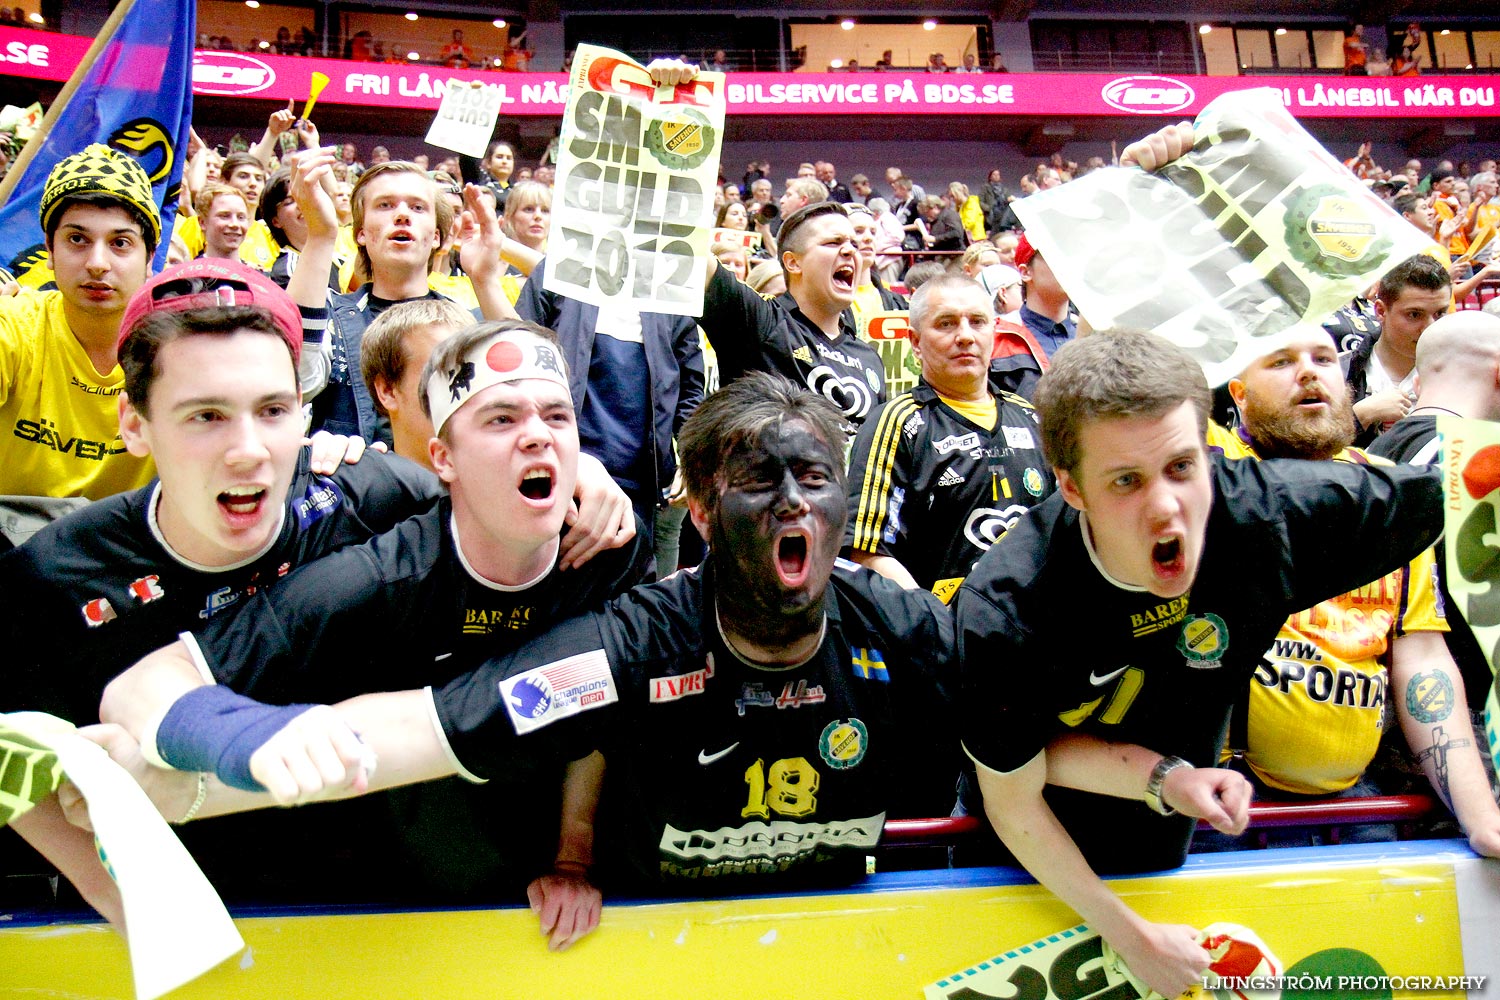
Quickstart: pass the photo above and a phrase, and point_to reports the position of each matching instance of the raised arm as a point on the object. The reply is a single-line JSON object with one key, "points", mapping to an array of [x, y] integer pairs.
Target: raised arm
{"points": [[481, 243], [279, 122], [308, 286], [1159, 148]]}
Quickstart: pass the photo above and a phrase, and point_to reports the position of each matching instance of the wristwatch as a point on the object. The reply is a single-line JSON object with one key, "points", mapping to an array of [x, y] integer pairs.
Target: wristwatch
{"points": [[1159, 773]]}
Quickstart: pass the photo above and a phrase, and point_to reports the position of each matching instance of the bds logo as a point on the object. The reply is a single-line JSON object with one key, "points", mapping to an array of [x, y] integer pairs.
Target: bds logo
{"points": [[1147, 95], [230, 74]]}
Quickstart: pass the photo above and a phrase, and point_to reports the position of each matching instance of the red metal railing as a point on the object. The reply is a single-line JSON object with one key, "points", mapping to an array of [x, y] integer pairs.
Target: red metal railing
{"points": [[1263, 815]]}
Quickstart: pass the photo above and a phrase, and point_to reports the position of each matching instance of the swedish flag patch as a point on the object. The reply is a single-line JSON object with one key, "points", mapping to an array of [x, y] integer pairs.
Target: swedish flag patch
{"points": [[869, 664]]}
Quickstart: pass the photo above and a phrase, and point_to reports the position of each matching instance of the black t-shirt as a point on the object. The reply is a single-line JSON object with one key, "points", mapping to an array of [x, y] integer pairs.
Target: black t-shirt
{"points": [[1050, 644], [403, 611], [400, 611], [92, 593], [1413, 440], [935, 491], [736, 778], [750, 334], [89, 595], [1352, 324]]}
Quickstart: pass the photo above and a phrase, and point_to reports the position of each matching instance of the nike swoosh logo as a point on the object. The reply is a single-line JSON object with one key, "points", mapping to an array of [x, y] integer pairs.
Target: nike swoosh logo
{"points": [[1097, 681], [709, 758]]}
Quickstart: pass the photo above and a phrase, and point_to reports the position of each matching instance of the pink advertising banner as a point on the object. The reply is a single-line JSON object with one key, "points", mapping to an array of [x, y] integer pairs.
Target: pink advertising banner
{"points": [[48, 56]]}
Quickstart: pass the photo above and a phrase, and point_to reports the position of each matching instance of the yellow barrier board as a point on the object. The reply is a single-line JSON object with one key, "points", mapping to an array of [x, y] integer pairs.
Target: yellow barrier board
{"points": [[1394, 911]]}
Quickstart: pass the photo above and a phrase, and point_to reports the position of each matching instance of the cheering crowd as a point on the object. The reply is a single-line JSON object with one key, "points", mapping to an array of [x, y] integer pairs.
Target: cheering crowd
{"points": [[1043, 583]]}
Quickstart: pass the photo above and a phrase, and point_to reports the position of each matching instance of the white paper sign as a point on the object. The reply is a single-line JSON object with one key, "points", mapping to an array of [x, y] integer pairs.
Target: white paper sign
{"points": [[178, 927], [632, 209], [1254, 234], [466, 119]]}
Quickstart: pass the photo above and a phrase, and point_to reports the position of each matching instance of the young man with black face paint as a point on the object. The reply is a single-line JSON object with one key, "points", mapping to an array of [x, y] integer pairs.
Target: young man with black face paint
{"points": [[762, 711]]}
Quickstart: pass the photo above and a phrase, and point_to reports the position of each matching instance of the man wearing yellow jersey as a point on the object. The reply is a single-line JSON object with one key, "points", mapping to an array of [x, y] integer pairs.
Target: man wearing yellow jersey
{"points": [[245, 173], [1314, 717], [225, 216], [59, 380]]}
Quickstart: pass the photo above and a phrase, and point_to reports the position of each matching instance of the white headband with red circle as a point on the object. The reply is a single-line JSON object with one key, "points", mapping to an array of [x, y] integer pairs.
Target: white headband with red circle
{"points": [[506, 357]]}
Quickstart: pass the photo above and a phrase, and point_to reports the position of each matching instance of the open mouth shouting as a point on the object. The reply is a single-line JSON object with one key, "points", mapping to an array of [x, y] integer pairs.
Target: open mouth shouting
{"points": [[790, 554], [401, 237], [1168, 559], [242, 505], [537, 485], [843, 278]]}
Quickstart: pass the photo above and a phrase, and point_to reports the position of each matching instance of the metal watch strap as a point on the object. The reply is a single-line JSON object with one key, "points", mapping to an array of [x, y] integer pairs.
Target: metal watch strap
{"points": [[1159, 773]]}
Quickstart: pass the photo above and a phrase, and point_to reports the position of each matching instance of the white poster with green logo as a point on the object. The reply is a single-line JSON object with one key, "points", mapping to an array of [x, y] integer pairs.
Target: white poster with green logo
{"points": [[1254, 232], [178, 927], [632, 206], [1471, 470]]}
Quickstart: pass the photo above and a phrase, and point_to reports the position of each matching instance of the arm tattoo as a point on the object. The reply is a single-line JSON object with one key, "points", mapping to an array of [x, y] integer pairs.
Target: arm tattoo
{"points": [[1429, 697], [1438, 754]]}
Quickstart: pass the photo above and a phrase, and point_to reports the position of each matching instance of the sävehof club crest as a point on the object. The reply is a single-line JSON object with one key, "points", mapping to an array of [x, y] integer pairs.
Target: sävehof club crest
{"points": [[844, 743], [1341, 227], [1332, 233], [681, 140], [1204, 640]]}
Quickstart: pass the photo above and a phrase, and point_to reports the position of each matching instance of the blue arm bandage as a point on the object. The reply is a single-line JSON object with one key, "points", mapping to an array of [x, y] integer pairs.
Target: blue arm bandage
{"points": [[214, 729]]}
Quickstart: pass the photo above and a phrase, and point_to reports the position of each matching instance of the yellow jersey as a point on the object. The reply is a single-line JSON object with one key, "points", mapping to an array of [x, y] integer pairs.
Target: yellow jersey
{"points": [[59, 422], [259, 249], [1317, 702]]}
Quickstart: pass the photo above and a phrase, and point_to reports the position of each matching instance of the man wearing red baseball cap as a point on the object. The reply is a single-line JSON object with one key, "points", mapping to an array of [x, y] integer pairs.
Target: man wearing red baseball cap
{"points": [[210, 392], [1047, 313], [209, 351]]}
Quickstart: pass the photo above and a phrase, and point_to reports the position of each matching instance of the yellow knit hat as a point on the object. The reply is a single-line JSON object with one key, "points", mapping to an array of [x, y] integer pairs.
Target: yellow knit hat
{"points": [[101, 170]]}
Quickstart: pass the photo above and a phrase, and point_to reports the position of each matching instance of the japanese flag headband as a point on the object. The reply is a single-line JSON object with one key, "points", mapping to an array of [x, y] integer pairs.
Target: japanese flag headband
{"points": [[508, 356]]}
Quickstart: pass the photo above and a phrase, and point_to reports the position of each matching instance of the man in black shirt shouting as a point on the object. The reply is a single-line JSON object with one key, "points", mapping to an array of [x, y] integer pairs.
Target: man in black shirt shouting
{"points": [[1105, 638], [762, 713]]}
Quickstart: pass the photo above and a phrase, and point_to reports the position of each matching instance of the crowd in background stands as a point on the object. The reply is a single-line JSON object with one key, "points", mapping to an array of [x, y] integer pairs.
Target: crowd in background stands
{"points": [[514, 56], [1363, 59], [1456, 203], [16, 17]]}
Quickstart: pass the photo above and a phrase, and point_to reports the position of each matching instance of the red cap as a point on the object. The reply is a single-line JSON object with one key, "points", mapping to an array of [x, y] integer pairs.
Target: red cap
{"points": [[1024, 250], [207, 282]]}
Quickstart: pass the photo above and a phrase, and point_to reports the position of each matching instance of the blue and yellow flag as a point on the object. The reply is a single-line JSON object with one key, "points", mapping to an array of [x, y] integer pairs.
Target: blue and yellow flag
{"points": [[136, 97], [869, 664]]}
